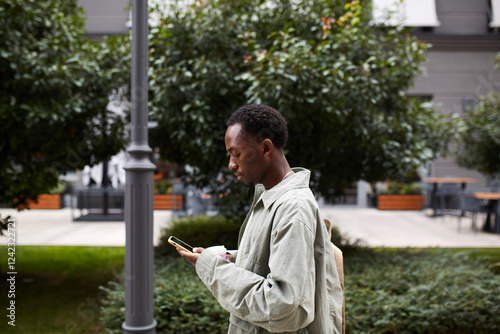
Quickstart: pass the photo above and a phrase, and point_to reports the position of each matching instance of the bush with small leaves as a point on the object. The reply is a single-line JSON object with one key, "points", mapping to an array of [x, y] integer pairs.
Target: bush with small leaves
{"points": [[200, 231], [183, 305]]}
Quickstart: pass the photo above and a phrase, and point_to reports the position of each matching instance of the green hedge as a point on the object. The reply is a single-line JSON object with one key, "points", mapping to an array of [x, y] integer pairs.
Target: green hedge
{"points": [[408, 291], [387, 291], [199, 231], [182, 304]]}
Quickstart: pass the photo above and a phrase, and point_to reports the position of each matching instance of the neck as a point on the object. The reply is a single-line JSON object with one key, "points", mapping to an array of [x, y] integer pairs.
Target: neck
{"points": [[278, 173]]}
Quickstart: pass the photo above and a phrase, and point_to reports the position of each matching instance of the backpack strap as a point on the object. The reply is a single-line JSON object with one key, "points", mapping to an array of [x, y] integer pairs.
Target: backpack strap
{"points": [[339, 262]]}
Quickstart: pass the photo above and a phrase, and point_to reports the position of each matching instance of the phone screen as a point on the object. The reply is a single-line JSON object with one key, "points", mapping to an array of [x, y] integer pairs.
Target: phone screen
{"points": [[181, 243]]}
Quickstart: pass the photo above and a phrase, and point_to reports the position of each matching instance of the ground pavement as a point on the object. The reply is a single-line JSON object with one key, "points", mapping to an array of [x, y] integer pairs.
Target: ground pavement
{"points": [[372, 226], [407, 228], [56, 227]]}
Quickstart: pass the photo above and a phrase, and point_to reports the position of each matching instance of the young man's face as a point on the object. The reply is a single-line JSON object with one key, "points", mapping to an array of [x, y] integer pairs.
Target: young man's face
{"points": [[246, 156]]}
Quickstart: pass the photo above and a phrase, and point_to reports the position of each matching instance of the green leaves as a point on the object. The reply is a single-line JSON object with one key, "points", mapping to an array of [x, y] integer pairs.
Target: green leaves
{"points": [[340, 82], [419, 292], [182, 303], [55, 92], [479, 144]]}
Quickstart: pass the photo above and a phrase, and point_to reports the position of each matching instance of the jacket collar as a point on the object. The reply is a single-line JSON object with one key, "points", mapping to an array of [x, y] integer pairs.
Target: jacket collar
{"points": [[299, 180]]}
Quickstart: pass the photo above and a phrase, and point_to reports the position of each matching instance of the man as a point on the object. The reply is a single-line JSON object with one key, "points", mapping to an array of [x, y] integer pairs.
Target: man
{"points": [[283, 278]]}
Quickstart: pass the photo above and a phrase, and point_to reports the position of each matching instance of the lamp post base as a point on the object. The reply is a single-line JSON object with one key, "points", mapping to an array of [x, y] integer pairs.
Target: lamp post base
{"points": [[150, 329]]}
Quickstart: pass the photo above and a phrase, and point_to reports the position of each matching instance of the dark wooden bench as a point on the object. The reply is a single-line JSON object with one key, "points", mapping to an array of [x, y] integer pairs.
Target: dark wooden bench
{"points": [[168, 202]]}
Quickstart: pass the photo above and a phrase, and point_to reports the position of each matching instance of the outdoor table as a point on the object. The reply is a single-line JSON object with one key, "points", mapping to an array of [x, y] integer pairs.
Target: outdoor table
{"points": [[492, 198], [439, 180]]}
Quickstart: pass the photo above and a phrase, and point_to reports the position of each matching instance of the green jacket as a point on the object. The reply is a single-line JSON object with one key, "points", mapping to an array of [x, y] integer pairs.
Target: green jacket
{"points": [[284, 279]]}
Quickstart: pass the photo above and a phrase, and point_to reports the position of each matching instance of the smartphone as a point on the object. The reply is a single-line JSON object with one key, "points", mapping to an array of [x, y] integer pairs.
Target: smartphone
{"points": [[180, 244]]}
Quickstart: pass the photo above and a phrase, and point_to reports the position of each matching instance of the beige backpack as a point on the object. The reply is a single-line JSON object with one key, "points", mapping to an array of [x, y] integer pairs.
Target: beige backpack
{"points": [[339, 261]]}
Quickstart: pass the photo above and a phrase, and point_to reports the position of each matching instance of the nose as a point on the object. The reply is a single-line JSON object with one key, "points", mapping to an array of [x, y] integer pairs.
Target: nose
{"points": [[232, 165]]}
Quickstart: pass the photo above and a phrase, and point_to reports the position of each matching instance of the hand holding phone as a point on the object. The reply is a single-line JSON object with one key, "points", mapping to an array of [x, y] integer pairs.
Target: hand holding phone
{"points": [[192, 257], [180, 244]]}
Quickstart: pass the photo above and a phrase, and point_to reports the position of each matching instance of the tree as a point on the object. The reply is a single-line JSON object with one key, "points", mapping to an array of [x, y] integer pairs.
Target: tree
{"points": [[55, 89], [479, 144], [340, 82]]}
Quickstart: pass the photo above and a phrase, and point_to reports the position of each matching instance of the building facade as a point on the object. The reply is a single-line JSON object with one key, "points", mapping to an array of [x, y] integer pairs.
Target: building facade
{"points": [[461, 64]]}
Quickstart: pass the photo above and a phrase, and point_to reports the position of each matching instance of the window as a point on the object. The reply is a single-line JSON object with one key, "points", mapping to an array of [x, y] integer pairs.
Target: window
{"points": [[105, 17], [409, 13], [468, 103], [422, 98]]}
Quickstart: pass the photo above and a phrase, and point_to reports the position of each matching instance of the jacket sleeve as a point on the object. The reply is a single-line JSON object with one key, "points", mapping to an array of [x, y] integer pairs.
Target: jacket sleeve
{"points": [[283, 301]]}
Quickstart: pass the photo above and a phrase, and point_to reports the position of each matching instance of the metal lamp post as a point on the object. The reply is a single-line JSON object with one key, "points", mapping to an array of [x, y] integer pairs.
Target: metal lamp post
{"points": [[139, 252]]}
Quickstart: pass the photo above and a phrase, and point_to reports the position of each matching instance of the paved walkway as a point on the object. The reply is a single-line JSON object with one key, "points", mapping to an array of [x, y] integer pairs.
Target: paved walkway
{"points": [[56, 227], [407, 228], [373, 227]]}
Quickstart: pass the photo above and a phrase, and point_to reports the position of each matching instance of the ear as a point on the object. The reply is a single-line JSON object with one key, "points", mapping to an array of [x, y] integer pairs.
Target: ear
{"points": [[267, 146]]}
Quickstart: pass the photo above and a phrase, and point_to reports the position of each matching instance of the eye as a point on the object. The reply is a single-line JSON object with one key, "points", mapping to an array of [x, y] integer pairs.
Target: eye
{"points": [[233, 154]]}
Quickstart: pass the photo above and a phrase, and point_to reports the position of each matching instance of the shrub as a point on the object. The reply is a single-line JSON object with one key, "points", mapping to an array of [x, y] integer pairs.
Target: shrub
{"points": [[399, 188], [480, 135], [4, 224], [387, 291], [206, 231], [420, 292], [200, 231], [183, 305]]}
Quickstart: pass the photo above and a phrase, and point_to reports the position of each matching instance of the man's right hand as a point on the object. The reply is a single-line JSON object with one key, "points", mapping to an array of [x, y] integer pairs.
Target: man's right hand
{"points": [[191, 257]]}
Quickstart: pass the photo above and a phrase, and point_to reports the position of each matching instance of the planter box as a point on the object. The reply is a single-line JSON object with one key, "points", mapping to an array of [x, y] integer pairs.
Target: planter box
{"points": [[400, 202], [168, 202], [46, 201]]}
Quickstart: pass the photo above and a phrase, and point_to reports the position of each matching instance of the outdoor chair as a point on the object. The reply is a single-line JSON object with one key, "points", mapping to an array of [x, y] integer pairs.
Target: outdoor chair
{"points": [[472, 205], [448, 197], [429, 199]]}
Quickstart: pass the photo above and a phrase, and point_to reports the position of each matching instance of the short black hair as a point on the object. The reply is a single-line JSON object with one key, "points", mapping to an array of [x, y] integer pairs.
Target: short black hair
{"points": [[262, 121]]}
